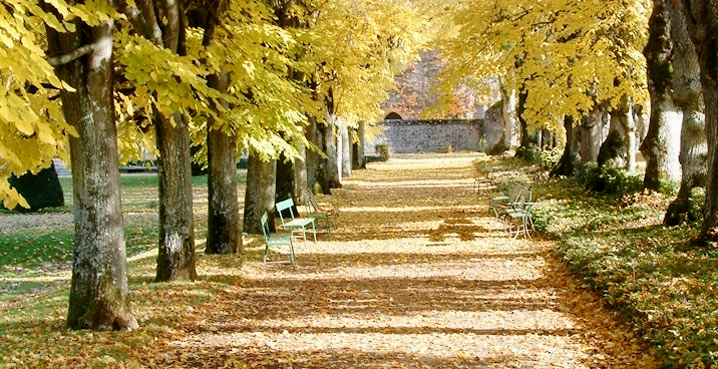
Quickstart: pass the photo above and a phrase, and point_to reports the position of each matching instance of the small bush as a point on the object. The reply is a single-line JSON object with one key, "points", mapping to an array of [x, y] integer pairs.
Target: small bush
{"points": [[383, 150], [612, 181], [41, 190]]}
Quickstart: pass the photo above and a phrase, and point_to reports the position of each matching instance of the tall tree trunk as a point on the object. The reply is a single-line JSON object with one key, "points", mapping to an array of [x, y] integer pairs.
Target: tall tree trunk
{"points": [[313, 159], [623, 127], [260, 194], [98, 292], [176, 257], [346, 149], [661, 146], [702, 21], [330, 149], [591, 134], [286, 182], [224, 235], [358, 156], [300, 173], [511, 138], [688, 96], [567, 164]]}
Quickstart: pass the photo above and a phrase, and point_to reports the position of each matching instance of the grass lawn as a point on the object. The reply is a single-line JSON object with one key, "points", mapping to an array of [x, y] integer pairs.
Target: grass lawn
{"points": [[40, 248]]}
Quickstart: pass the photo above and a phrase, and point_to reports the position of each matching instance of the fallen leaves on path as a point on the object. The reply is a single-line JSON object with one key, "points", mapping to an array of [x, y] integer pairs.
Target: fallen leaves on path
{"points": [[416, 275]]}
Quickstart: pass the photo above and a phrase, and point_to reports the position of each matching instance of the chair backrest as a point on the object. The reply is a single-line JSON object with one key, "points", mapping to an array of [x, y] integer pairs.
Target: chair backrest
{"points": [[265, 225], [520, 193], [310, 204], [284, 205]]}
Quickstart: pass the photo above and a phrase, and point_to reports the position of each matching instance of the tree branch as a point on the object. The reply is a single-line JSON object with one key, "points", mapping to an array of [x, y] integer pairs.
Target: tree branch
{"points": [[72, 56]]}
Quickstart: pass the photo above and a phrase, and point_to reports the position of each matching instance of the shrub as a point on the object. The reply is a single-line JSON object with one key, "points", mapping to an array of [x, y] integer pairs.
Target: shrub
{"points": [[609, 180], [383, 150], [41, 190]]}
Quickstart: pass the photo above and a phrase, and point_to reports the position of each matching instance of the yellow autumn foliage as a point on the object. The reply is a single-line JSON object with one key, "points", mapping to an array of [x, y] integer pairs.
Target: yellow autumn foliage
{"points": [[566, 55]]}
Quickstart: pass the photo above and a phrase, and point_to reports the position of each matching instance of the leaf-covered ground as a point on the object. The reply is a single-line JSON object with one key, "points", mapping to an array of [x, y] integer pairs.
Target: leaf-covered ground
{"points": [[416, 275]]}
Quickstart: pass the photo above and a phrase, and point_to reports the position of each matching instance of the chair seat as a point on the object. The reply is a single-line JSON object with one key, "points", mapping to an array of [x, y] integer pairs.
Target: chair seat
{"points": [[298, 223], [279, 239]]}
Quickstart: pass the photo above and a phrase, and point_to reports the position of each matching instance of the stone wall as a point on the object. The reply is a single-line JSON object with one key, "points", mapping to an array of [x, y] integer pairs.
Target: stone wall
{"points": [[413, 136]]}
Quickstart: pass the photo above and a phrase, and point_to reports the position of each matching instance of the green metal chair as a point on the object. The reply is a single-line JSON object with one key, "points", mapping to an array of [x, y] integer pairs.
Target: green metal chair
{"points": [[281, 240], [312, 209], [295, 224]]}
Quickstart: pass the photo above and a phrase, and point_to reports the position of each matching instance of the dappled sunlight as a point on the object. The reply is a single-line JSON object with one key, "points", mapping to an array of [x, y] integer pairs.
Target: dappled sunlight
{"points": [[415, 274]]}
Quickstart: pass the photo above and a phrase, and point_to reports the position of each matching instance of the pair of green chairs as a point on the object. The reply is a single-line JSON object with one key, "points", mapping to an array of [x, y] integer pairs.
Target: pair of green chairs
{"points": [[284, 240], [514, 207]]}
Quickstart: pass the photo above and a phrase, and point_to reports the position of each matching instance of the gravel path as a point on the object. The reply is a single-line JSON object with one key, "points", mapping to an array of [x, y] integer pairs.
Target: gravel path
{"points": [[17, 222]]}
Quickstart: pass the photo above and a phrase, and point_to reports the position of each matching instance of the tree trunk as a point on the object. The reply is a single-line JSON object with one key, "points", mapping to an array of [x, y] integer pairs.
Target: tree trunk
{"points": [[358, 161], [260, 193], [98, 292], [661, 146], [688, 96], [164, 26], [591, 134], [567, 164], [702, 19], [224, 235], [176, 258], [623, 127], [345, 150], [330, 149], [300, 173], [312, 159], [286, 184], [512, 134]]}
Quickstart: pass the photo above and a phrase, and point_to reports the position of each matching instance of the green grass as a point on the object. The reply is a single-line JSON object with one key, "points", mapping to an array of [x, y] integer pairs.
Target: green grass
{"points": [[29, 256]]}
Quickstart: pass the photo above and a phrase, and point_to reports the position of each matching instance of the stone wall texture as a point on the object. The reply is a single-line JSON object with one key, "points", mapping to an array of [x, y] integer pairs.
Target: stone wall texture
{"points": [[416, 136]]}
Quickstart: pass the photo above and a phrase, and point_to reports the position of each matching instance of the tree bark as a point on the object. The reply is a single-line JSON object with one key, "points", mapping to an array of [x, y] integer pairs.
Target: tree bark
{"points": [[623, 126], [591, 134], [260, 194], [567, 164], [702, 19], [345, 149], [512, 134], [313, 160], [98, 292], [224, 235], [661, 146], [358, 155], [330, 149], [286, 182], [688, 96], [176, 256]]}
